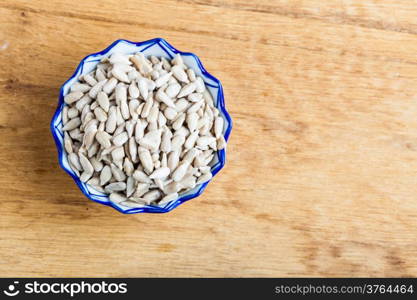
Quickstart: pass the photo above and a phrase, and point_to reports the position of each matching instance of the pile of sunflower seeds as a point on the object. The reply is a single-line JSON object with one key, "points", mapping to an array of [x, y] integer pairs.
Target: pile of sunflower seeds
{"points": [[142, 130]]}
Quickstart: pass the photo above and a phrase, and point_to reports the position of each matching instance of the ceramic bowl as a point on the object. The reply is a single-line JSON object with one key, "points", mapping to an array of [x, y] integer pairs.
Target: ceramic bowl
{"points": [[157, 47]]}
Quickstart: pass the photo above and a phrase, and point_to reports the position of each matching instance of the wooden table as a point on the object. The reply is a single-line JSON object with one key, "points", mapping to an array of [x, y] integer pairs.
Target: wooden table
{"points": [[321, 178]]}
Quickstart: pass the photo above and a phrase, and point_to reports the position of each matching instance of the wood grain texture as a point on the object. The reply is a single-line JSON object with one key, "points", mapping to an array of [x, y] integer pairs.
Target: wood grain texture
{"points": [[321, 178]]}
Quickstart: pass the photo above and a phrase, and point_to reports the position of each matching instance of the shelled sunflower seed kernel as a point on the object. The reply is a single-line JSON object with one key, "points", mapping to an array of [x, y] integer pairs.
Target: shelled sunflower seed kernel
{"points": [[142, 130]]}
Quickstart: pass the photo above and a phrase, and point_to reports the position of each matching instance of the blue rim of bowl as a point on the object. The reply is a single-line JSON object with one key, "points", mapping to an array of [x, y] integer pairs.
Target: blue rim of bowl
{"points": [[220, 105]]}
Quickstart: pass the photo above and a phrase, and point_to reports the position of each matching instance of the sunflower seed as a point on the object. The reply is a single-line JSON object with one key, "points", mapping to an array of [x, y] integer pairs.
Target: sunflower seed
{"points": [[139, 110], [95, 184], [65, 115], [204, 178], [110, 85], [162, 121], [204, 169], [119, 74], [143, 88], [155, 157], [177, 60], [89, 137], [94, 105], [104, 139], [141, 63], [163, 97], [195, 97], [164, 160], [147, 108], [117, 198], [119, 117], [100, 114], [152, 126], [190, 155], [73, 96], [179, 73], [120, 93], [86, 164], [181, 105], [146, 159], [80, 87], [96, 88], [85, 100], [100, 75], [115, 187], [141, 189], [111, 120], [168, 198], [141, 176], [165, 63], [90, 79], [118, 154], [173, 89], [118, 58], [209, 100], [162, 79], [67, 143], [192, 119], [154, 59], [191, 140], [172, 187], [141, 130], [85, 176], [173, 160], [87, 117], [129, 126], [160, 173], [120, 139], [166, 141], [195, 107], [209, 159], [218, 127], [153, 114], [170, 113], [103, 101], [191, 74], [74, 161], [221, 143], [180, 171], [182, 131], [105, 175], [133, 149], [179, 121], [199, 161], [153, 195], [204, 130], [151, 140], [75, 134], [200, 86], [133, 90], [130, 186], [128, 167], [73, 112], [133, 75], [134, 204], [177, 142], [187, 89], [188, 182], [118, 174]]}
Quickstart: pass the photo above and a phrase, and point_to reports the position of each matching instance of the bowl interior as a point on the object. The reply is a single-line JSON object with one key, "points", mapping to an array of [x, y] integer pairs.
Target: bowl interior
{"points": [[157, 47]]}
